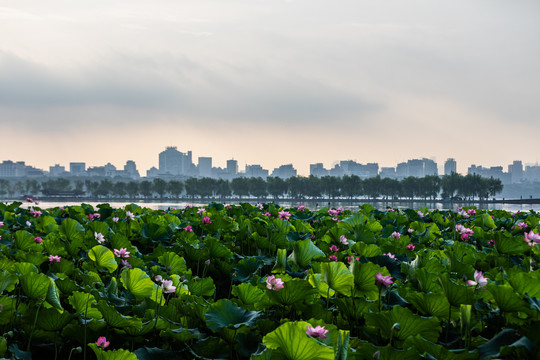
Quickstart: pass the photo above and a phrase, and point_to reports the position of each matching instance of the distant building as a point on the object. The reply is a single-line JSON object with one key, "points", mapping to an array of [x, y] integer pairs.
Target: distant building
{"points": [[350, 167], [402, 171], [532, 173], [232, 167], [495, 172], [256, 171], [57, 170], [205, 166], [516, 171], [18, 169], [388, 172], [450, 166], [317, 170], [284, 171], [174, 162], [77, 168], [152, 172], [430, 167], [130, 170]]}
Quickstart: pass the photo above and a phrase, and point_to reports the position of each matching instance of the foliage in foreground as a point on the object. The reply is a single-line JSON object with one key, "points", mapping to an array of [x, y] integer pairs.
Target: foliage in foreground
{"points": [[263, 282]]}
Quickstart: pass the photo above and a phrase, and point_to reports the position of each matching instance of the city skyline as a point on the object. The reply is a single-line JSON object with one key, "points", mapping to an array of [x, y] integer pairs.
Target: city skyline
{"points": [[286, 81]]}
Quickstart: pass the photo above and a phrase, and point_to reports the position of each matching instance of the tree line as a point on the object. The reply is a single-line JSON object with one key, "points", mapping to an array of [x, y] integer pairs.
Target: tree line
{"points": [[452, 186]]}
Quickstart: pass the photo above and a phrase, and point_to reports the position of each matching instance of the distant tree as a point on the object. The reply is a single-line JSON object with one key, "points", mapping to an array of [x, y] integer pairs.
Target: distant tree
{"points": [[257, 187], [191, 186], [104, 188], [159, 186], [276, 186], [206, 187], [240, 186], [4, 187], [175, 188], [132, 188], [119, 188], [331, 186], [351, 186], [314, 187], [145, 188], [494, 186], [296, 186], [223, 188]]}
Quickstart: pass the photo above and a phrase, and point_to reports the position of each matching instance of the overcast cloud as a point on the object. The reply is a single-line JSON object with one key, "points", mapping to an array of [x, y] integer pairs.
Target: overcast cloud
{"points": [[338, 73]]}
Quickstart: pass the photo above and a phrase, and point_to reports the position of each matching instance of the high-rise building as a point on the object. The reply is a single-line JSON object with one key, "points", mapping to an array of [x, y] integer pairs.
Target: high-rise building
{"points": [[130, 169], [205, 166], [450, 166], [256, 171], [415, 167], [57, 170], [430, 167], [13, 169], [516, 171], [317, 170], [174, 162], [77, 168], [284, 171], [232, 167]]}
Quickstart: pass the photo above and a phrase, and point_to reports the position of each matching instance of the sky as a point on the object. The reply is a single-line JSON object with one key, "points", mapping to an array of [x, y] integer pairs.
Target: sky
{"points": [[270, 82]]}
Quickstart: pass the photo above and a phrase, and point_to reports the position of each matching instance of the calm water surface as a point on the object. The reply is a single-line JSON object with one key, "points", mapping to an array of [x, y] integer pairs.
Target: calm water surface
{"points": [[310, 205]]}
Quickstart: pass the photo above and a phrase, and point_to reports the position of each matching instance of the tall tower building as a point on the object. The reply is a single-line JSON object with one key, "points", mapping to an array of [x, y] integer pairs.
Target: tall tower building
{"points": [[450, 166]]}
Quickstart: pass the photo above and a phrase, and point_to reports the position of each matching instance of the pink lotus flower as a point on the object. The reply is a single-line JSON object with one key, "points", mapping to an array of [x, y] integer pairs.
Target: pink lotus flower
{"points": [[130, 215], [343, 240], [390, 210], [267, 214], [38, 240], [522, 225], [317, 331], [480, 280], [351, 258], [126, 264], [463, 213], [421, 214], [301, 208], [333, 212], [471, 212], [99, 237], [28, 223], [206, 220], [167, 286], [396, 235], [514, 213], [1, 223], [229, 207], [332, 258], [410, 247], [28, 199], [284, 215], [273, 283], [188, 228], [54, 258], [122, 253], [532, 238], [201, 210], [260, 206], [334, 248], [380, 279], [410, 231], [491, 242], [390, 255], [159, 278], [102, 342], [466, 233], [115, 219]]}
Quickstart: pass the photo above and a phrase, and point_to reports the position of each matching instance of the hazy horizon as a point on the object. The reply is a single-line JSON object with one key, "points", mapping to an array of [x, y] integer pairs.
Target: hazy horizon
{"points": [[270, 82]]}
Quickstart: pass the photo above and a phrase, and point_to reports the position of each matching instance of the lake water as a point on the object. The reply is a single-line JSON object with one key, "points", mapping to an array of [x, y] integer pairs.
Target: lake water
{"points": [[310, 205]]}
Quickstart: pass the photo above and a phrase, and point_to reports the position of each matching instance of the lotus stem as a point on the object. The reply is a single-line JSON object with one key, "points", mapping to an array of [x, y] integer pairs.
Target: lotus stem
{"points": [[33, 327]]}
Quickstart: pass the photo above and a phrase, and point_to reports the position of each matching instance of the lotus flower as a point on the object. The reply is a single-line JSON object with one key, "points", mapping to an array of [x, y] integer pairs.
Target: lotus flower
{"points": [[532, 238], [260, 206], [201, 210], [54, 258], [206, 220], [284, 215], [102, 342], [343, 240], [167, 286], [122, 253], [301, 208], [38, 240], [334, 248], [273, 283], [410, 247], [396, 235], [333, 258], [333, 212], [385, 281], [479, 279], [99, 237], [115, 219], [188, 228], [317, 331], [129, 215], [522, 225]]}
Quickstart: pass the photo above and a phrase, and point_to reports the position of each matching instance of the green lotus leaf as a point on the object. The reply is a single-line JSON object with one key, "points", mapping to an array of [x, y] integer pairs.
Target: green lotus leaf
{"points": [[24, 241], [72, 230], [366, 250], [137, 282], [223, 314], [216, 250], [248, 294], [324, 289], [146, 353], [526, 283], [290, 341], [83, 303], [281, 261], [172, 262], [423, 346], [338, 277], [247, 267], [303, 252], [427, 281], [430, 304], [355, 308], [293, 291], [154, 232], [455, 293], [53, 320], [410, 324], [46, 224], [103, 257], [485, 221], [35, 286], [115, 319], [506, 298], [53, 296], [7, 307], [202, 287], [364, 279], [7, 281], [24, 268], [119, 354], [506, 244]]}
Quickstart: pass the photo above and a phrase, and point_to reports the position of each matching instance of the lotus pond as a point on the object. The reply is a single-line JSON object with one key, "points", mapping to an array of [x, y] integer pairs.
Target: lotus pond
{"points": [[267, 282]]}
